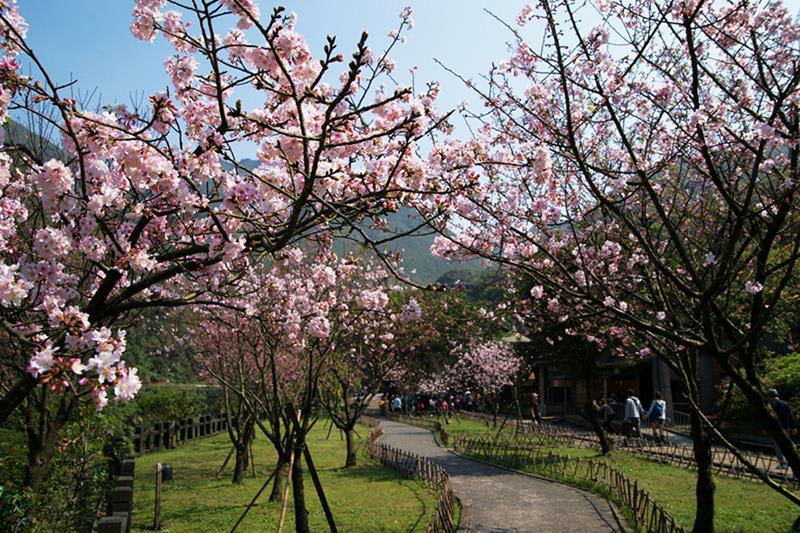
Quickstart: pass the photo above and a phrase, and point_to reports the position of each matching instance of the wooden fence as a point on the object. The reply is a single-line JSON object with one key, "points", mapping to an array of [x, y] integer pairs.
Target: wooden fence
{"points": [[413, 465], [725, 463], [648, 515], [120, 500], [173, 433]]}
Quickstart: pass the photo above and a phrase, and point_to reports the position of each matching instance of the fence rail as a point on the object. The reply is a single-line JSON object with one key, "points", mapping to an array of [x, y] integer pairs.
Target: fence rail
{"points": [[172, 433], [413, 465], [725, 463], [648, 515]]}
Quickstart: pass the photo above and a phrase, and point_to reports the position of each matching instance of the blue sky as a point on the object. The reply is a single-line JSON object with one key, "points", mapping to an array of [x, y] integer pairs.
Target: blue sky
{"points": [[89, 40]]}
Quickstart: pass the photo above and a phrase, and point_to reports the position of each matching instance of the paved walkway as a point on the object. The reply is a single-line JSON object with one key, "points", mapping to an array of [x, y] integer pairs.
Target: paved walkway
{"points": [[507, 501]]}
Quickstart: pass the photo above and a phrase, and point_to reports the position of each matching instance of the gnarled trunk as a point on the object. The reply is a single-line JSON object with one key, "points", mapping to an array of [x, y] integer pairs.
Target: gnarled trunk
{"points": [[352, 448], [40, 454], [589, 413], [43, 429], [242, 462], [298, 494], [704, 490]]}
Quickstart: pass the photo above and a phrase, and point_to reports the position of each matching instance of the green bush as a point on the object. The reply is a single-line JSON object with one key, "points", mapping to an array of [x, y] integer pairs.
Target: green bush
{"points": [[157, 403], [781, 373], [14, 510], [74, 492], [14, 503]]}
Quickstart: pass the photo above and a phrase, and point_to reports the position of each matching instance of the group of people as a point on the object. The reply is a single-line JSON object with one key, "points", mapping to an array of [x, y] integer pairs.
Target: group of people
{"points": [[384, 404], [441, 404], [633, 413], [656, 416]]}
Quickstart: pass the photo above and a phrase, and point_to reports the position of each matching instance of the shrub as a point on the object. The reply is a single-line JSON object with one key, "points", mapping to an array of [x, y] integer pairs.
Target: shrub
{"points": [[157, 403], [781, 373], [79, 480]]}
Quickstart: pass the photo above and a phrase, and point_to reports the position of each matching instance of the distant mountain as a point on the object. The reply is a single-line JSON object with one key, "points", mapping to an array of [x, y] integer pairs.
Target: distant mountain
{"points": [[483, 283], [419, 264], [37, 143]]}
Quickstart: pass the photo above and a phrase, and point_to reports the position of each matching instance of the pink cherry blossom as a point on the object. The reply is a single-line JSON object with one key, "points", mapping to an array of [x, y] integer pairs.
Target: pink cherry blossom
{"points": [[151, 206], [42, 360]]}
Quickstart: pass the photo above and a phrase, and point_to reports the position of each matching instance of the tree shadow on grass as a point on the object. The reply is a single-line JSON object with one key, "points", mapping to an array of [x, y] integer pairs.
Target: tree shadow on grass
{"points": [[370, 472], [378, 473]]}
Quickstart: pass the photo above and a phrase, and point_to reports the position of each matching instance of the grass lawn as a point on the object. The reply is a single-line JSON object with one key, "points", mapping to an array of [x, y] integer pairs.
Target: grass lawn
{"points": [[740, 505], [461, 425], [365, 498]]}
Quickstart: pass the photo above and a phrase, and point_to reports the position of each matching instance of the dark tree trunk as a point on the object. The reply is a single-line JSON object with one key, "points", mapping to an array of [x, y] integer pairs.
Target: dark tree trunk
{"points": [[16, 395], [352, 448], [41, 447], [242, 462], [281, 472], [589, 412], [298, 493], [704, 492]]}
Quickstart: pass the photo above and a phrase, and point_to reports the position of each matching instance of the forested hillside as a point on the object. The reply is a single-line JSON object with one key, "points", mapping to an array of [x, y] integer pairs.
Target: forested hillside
{"points": [[419, 264]]}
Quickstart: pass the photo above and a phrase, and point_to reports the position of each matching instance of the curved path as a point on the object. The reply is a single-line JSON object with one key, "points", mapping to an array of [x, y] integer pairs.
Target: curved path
{"points": [[507, 501]]}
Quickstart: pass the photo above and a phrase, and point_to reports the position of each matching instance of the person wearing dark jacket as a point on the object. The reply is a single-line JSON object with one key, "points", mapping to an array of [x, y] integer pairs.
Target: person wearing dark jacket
{"points": [[786, 418]]}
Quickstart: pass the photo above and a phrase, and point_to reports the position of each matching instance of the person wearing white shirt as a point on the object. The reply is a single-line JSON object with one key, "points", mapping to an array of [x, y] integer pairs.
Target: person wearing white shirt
{"points": [[397, 403], [633, 414]]}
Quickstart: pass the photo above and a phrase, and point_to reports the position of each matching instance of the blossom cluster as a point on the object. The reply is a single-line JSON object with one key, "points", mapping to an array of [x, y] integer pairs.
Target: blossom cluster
{"points": [[152, 206], [624, 194]]}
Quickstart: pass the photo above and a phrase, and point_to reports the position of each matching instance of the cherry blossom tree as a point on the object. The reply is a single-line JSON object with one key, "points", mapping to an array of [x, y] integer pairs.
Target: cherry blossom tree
{"points": [[288, 330], [642, 174], [152, 207], [263, 379], [450, 317], [224, 352], [487, 366], [372, 348]]}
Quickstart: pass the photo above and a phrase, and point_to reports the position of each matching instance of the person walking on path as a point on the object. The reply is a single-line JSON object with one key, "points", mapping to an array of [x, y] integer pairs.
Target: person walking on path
{"points": [[382, 406], [535, 414], [786, 419], [657, 415], [633, 414], [397, 404]]}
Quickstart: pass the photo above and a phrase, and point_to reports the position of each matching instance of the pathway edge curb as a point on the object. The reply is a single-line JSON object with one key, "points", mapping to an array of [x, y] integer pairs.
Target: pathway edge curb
{"points": [[465, 522]]}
